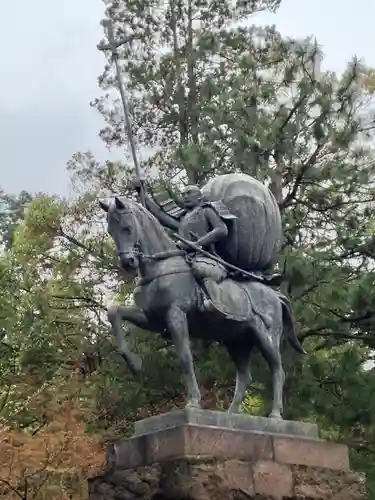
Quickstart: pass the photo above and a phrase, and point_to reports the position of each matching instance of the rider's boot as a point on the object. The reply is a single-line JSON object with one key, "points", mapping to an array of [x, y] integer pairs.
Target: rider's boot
{"points": [[208, 305]]}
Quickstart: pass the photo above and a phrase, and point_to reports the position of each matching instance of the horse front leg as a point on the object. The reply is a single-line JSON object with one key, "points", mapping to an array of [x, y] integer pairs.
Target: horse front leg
{"points": [[178, 328], [116, 315]]}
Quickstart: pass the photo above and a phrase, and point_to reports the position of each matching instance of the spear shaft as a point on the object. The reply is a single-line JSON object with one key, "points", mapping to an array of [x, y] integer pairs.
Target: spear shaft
{"points": [[112, 46], [274, 280]]}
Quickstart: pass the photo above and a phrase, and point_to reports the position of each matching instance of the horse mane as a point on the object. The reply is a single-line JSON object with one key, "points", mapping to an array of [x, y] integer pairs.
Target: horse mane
{"points": [[156, 233]]}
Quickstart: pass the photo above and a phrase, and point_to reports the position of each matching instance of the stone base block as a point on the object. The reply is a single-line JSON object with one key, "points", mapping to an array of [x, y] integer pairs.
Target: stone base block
{"points": [[201, 455], [192, 441]]}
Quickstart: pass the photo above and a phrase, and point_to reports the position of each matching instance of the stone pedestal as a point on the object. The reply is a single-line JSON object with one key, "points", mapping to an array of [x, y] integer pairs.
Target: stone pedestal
{"points": [[204, 455]]}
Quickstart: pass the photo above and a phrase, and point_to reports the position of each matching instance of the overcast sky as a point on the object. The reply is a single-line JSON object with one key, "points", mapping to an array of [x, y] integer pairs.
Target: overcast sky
{"points": [[50, 66]]}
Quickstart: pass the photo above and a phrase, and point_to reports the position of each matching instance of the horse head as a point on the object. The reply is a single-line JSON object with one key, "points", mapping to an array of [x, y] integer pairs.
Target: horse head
{"points": [[123, 227], [135, 232]]}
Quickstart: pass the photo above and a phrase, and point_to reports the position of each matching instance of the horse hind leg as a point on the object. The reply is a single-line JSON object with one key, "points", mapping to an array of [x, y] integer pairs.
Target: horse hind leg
{"points": [[268, 341], [240, 352]]}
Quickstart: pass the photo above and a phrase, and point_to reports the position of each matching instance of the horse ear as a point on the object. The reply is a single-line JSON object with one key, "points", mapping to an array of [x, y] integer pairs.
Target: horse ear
{"points": [[104, 206], [119, 204]]}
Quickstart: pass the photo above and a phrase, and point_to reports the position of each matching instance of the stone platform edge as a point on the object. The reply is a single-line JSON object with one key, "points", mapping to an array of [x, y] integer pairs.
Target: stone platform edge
{"points": [[209, 442], [224, 420]]}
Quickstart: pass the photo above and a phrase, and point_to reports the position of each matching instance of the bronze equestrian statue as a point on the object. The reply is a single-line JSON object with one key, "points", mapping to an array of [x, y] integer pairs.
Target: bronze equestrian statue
{"points": [[203, 222], [233, 219]]}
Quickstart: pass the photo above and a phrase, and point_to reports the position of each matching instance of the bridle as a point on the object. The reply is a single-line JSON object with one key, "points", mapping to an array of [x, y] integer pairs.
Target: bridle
{"points": [[136, 250], [145, 280]]}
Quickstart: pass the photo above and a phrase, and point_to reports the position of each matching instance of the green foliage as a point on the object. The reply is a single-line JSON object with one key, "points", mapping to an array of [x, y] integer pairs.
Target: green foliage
{"points": [[49, 312], [11, 213], [253, 405]]}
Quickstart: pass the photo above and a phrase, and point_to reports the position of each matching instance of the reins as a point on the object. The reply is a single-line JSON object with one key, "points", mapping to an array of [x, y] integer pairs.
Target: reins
{"points": [[157, 257]]}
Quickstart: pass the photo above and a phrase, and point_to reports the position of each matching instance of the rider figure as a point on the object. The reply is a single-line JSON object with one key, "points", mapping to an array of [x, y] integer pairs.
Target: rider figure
{"points": [[201, 224]]}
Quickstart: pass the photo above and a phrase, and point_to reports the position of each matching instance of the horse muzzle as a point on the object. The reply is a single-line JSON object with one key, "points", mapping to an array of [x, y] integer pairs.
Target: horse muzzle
{"points": [[128, 262]]}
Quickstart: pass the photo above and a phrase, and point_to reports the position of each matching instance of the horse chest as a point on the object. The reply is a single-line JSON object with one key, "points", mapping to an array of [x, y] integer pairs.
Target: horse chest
{"points": [[152, 297], [156, 297]]}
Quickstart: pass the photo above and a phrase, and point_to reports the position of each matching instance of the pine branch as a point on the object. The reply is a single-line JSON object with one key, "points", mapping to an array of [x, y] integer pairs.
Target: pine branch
{"points": [[314, 332], [88, 300], [91, 251], [300, 175]]}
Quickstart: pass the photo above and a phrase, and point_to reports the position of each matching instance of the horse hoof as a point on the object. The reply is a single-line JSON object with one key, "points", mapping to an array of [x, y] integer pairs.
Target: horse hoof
{"points": [[193, 404], [235, 410], [275, 415]]}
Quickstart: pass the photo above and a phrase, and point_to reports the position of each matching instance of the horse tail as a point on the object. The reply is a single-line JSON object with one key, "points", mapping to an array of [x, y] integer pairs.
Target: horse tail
{"points": [[289, 326]]}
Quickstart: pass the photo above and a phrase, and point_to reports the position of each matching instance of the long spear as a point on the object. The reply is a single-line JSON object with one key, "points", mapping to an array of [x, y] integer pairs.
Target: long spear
{"points": [[113, 46]]}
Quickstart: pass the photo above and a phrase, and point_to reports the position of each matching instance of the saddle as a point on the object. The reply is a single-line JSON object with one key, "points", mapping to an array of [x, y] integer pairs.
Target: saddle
{"points": [[238, 301], [231, 298]]}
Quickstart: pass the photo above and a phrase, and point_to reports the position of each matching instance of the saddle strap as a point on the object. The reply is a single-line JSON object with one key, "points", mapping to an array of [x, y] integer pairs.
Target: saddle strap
{"points": [[146, 280]]}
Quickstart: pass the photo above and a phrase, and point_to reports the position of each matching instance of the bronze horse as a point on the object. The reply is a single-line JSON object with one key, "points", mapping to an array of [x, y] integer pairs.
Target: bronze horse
{"points": [[167, 296]]}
